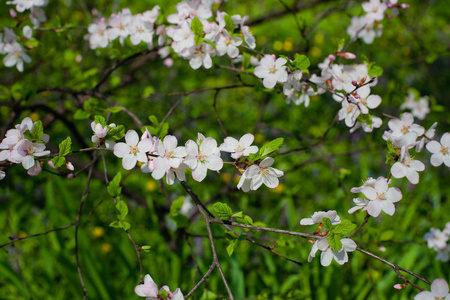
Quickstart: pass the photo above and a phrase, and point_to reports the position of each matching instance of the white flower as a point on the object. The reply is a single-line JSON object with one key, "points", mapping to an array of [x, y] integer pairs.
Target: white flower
{"points": [[170, 156], [407, 167], [349, 112], [202, 156], [366, 101], [97, 36], [140, 30], [2, 175], [16, 56], [381, 198], [28, 151], [133, 150], [441, 151], [271, 70], [405, 125], [239, 148], [340, 256], [263, 173], [228, 45], [99, 131], [149, 289], [374, 9], [439, 291], [319, 215], [436, 239]]}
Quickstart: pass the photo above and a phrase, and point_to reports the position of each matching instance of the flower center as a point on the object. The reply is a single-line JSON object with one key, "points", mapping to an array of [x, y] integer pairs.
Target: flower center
{"points": [[444, 150], [381, 197], [272, 70], [405, 129]]}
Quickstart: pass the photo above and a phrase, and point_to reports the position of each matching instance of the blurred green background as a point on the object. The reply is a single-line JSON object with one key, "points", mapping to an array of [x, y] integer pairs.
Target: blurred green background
{"points": [[413, 51]]}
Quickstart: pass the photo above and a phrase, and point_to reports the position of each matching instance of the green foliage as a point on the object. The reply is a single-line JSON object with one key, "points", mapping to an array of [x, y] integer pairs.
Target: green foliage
{"points": [[197, 29], [222, 211], [114, 188], [180, 220], [267, 149]]}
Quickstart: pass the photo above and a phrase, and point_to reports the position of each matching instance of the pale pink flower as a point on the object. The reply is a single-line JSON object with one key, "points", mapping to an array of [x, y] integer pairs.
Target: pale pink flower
{"points": [[319, 215], [439, 291], [133, 150], [239, 148], [328, 254], [407, 166], [272, 71], [441, 151], [202, 156], [381, 198], [263, 174]]}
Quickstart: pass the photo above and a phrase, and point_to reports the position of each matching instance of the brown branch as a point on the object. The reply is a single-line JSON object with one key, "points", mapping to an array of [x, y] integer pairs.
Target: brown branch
{"points": [[396, 268]]}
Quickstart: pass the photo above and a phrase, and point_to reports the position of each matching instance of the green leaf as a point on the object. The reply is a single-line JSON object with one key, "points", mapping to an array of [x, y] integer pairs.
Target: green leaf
{"points": [[238, 215], [341, 45], [163, 130], [248, 220], [27, 134], [122, 210], [197, 29], [114, 188], [345, 227], [223, 211], [38, 130], [271, 147], [81, 115], [180, 220], [115, 224], [114, 109], [58, 161], [230, 247], [65, 146], [301, 62], [334, 241], [229, 24], [149, 90], [176, 205], [375, 70], [154, 120], [327, 224], [230, 235], [100, 120], [125, 225], [146, 248], [115, 133]]}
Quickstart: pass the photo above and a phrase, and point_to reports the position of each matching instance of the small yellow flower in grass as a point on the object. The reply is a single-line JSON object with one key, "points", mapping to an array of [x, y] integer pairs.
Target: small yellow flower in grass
{"points": [[106, 248], [151, 185]]}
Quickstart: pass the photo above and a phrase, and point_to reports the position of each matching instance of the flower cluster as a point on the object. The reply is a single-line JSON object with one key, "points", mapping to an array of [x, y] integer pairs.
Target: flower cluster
{"points": [[198, 40], [23, 145], [439, 241], [329, 252], [139, 27], [165, 158], [150, 290], [368, 26], [15, 53]]}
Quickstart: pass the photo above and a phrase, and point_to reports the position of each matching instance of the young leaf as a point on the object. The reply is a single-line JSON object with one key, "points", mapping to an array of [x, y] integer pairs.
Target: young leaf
{"points": [[238, 215], [327, 224], [301, 62], [122, 210], [164, 129], [100, 120], [180, 220], [154, 120], [64, 146], [229, 24], [58, 161], [125, 225], [38, 130], [114, 188], [230, 248], [271, 147], [146, 248], [334, 241], [345, 227], [115, 133], [223, 211], [176, 206], [197, 29]]}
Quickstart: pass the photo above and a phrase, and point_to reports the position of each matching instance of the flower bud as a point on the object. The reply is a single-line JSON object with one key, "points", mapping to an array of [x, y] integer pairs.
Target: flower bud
{"points": [[404, 5]]}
